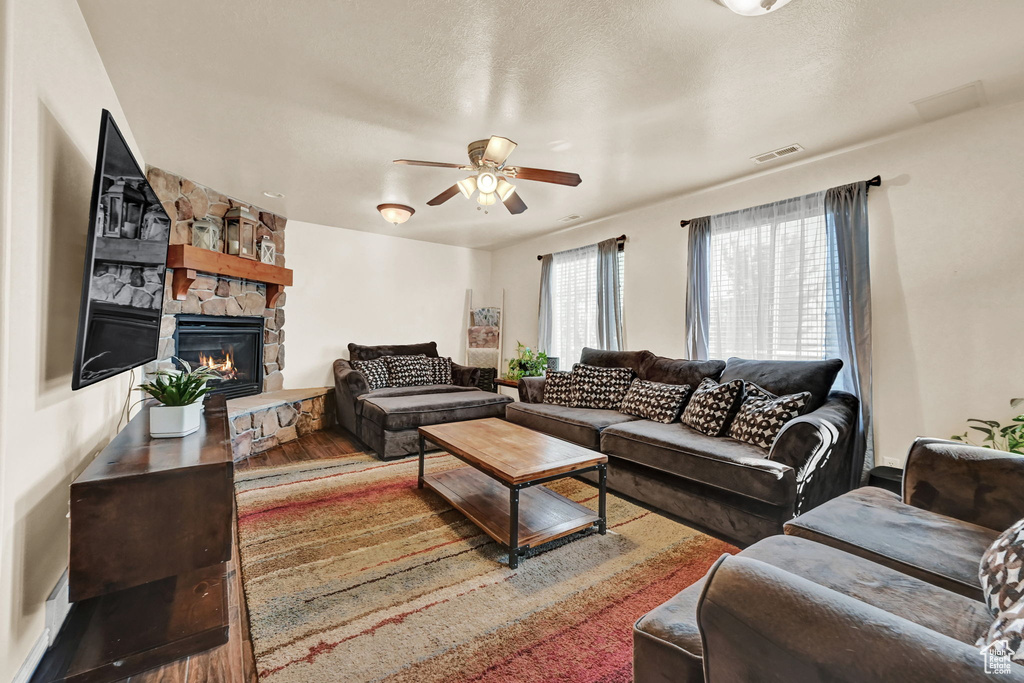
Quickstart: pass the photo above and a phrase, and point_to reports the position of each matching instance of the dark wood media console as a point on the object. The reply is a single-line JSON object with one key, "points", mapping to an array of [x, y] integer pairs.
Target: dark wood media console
{"points": [[151, 535]]}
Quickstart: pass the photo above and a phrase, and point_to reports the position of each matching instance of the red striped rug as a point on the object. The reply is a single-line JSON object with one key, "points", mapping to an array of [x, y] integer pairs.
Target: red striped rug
{"points": [[353, 574]]}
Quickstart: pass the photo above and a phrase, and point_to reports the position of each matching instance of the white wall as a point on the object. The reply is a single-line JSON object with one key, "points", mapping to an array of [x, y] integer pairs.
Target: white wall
{"points": [[353, 286], [947, 241], [55, 86]]}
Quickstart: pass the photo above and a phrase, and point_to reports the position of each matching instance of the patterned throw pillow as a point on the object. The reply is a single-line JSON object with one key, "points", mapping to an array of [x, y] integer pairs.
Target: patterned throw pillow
{"points": [[655, 401], [762, 415], [407, 371], [711, 405], [604, 388], [440, 370], [1003, 588], [558, 388], [375, 372]]}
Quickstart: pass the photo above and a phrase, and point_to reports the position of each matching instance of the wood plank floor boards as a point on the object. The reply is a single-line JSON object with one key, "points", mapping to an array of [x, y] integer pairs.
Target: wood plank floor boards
{"points": [[234, 661]]}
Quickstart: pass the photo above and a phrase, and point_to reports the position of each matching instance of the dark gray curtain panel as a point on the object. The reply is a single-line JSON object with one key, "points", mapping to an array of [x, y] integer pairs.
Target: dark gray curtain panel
{"points": [[609, 304], [544, 307], [849, 304], [698, 288]]}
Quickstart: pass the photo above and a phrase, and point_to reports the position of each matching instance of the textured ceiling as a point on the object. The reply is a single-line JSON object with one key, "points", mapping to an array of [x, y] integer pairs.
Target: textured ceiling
{"points": [[644, 99]]}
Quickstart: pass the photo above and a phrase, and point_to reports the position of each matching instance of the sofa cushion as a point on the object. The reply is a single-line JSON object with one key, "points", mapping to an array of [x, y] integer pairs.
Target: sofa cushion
{"points": [[557, 388], [408, 371], [762, 415], [358, 352], [375, 371], [413, 391], [783, 377], [721, 462], [876, 524], [655, 400], [1001, 570], [393, 413], [673, 624], [680, 370], [712, 405], [440, 370], [596, 387], [580, 425], [633, 360]]}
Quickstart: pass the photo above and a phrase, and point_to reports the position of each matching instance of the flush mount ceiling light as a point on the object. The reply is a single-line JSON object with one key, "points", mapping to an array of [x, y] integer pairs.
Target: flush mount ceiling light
{"points": [[752, 8], [272, 195], [396, 213]]}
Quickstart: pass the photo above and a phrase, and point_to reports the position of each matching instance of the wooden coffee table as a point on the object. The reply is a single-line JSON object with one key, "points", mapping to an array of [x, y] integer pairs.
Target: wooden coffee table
{"points": [[500, 491]]}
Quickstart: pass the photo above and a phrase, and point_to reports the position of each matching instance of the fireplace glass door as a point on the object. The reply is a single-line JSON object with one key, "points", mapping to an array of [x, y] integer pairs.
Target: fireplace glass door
{"points": [[231, 346]]}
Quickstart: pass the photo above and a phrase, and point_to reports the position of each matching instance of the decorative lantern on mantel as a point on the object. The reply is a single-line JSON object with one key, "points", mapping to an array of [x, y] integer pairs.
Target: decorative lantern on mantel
{"points": [[240, 228]]}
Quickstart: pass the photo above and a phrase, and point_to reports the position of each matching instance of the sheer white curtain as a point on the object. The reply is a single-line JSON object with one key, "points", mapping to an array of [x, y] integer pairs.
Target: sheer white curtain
{"points": [[769, 282], [573, 304]]}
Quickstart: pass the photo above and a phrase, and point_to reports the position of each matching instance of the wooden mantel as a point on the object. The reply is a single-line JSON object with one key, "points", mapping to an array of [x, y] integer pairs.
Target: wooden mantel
{"points": [[187, 261]]}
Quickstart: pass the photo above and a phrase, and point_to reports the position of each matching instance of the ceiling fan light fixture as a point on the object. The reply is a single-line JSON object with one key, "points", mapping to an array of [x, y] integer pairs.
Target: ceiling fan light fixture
{"points": [[752, 8], [486, 181], [486, 198], [504, 189], [396, 213], [467, 186]]}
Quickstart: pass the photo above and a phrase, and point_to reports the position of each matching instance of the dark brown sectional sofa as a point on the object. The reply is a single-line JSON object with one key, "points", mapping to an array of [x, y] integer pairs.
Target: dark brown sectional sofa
{"points": [[871, 586], [387, 419], [731, 488]]}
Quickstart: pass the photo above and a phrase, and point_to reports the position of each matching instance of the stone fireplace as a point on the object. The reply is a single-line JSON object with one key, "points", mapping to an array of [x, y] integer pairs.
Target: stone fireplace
{"points": [[231, 346], [213, 296]]}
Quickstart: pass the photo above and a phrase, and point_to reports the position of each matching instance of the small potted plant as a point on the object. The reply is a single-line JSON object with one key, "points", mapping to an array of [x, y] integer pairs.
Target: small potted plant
{"points": [[181, 400], [527, 363]]}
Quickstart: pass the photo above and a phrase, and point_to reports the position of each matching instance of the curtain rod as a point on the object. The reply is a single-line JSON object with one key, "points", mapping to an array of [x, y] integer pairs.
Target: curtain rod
{"points": [[620, 239], [874, 182]]}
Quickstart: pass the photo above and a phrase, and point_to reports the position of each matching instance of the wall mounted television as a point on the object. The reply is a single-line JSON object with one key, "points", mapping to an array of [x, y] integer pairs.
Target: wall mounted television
{"points": [[125, 260]]}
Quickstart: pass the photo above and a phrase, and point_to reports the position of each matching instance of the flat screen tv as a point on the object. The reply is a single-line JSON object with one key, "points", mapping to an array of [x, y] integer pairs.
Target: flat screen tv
{"points": [[125, 260]]}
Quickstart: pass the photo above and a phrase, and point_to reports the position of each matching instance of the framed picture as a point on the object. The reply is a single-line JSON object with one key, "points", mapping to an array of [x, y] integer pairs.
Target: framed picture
{"points": [[553, 363]]}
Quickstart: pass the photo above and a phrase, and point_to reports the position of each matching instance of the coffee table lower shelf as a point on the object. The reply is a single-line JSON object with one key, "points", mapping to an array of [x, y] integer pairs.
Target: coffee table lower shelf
{"points": [[543, 514]]}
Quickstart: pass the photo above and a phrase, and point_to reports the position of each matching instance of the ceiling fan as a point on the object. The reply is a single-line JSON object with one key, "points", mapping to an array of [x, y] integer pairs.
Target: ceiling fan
{"points": [[491, 176]]}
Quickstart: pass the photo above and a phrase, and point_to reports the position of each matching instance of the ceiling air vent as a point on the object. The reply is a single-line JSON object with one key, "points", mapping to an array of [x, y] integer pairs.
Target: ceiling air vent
{"points": [[775, 154], [570, 218]]}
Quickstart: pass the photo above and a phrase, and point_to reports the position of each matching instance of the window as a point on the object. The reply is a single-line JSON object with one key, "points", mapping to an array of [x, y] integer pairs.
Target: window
{"points": [[769, 274], [574, 313]]}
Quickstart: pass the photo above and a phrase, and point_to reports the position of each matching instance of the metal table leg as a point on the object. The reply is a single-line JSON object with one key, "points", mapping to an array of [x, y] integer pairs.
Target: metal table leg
{"points": [[602, 512], [513, 527], [419, 482]]}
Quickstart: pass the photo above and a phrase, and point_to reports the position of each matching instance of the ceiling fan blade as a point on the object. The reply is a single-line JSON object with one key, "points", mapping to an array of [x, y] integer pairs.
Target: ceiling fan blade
{"points": [[435, 164], [444, 196], [545, 176], [515, 204], [498, 149]]}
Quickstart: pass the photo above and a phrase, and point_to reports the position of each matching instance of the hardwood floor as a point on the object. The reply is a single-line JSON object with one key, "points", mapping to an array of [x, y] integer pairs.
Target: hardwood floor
{"points": [[234, 661], [331, 443]]}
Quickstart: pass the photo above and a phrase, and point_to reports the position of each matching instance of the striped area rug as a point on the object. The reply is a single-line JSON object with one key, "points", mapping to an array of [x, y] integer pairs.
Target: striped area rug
{"points": [[351, 573]]}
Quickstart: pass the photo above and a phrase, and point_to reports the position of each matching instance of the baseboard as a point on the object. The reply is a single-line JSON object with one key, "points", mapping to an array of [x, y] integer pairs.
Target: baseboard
{"points": [[35, 655]]}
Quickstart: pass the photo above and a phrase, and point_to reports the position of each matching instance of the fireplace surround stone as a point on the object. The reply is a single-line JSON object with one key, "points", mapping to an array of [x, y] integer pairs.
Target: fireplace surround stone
{"points": [[185, 202]]}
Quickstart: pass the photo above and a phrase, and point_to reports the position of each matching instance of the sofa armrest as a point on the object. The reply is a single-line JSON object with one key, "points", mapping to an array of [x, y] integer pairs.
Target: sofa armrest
{"points": [[465, 376], [531, 389], [819, 447], [756, 618], [970, 483], [349, 385]]}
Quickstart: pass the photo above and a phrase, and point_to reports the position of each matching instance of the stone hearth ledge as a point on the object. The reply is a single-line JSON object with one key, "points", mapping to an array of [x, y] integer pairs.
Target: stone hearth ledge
{"points": [[261, 422]]}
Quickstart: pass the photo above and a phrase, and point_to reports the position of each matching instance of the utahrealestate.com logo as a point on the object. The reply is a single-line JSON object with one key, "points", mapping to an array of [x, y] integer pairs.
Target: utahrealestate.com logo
{"points": [[998, 657]]}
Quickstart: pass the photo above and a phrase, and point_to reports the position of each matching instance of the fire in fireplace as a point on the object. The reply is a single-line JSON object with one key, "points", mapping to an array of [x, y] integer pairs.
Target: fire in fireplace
{"points": [[231, 346]]}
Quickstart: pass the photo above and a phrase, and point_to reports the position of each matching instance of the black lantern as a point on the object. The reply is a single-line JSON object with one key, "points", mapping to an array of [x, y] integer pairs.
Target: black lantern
{"points": [[122, 210]]}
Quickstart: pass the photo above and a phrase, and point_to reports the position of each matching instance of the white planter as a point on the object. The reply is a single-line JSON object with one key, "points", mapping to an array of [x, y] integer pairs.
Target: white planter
{"points": [[172, 421]]}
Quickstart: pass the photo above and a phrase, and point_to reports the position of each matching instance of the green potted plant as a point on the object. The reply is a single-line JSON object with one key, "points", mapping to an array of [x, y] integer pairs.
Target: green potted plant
{"points": [[180, 394], [527, 363], [998, 436]]}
